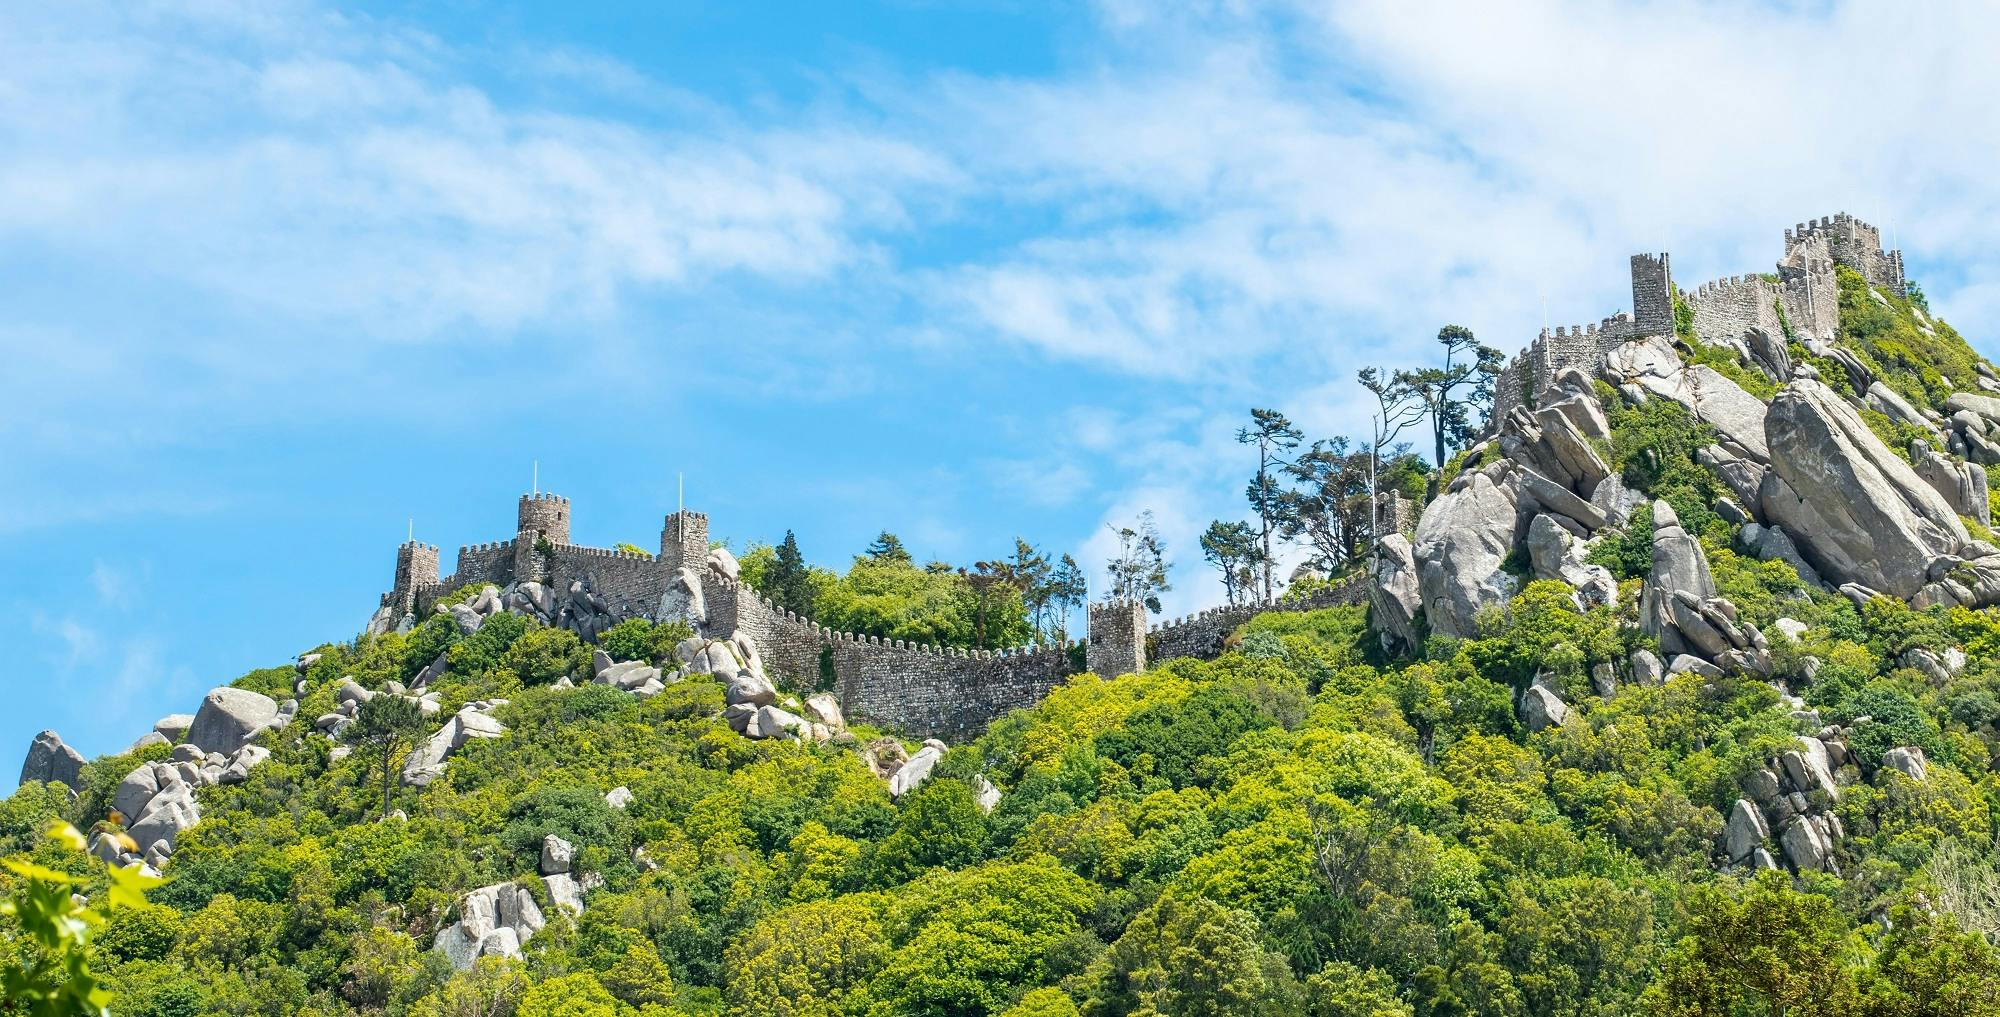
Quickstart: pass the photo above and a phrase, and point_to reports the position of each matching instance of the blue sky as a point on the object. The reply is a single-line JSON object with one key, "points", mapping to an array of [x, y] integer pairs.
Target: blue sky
{"points": [[280, 277]]}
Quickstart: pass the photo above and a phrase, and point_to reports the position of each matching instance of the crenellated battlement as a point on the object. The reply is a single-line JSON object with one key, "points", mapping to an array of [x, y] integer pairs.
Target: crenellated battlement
{"points": [[1801, 300]]}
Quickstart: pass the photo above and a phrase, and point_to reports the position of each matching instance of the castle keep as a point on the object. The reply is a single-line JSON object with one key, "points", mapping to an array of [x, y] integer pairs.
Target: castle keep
{"points": [[1723, 309], [930, 691]]}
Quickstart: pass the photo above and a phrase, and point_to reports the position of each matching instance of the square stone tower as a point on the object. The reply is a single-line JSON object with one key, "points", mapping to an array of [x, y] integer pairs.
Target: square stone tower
{"points": [[1652, 295], [684, 539], [1117, 639]]}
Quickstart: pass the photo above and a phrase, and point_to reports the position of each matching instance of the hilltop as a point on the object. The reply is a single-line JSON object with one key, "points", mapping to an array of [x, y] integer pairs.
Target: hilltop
{"points": [[1674, 692]]}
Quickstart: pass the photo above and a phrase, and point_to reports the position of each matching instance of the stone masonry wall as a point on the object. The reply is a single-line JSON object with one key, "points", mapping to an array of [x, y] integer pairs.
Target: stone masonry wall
{"points": [[1728, 307]]}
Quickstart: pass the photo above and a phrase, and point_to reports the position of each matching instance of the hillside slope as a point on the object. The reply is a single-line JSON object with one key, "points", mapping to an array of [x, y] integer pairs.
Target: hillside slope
{"points": [[1681, 699]]}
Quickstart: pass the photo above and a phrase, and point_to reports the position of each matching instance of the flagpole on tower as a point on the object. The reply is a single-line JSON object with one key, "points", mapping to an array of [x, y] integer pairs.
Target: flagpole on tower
{"points": [[536, 484]]}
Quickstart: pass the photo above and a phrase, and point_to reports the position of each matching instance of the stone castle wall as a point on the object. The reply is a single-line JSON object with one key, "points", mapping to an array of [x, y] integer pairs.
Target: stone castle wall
{"points": [[926, 691]]}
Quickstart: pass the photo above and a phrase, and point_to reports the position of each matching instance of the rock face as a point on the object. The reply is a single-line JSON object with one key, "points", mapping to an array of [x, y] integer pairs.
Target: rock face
{"points": [[1963, 485], [229, 718], [1652, 366], [1461, 541], [493, 922], [51, 760], [1859, 513], [1394, 595]]}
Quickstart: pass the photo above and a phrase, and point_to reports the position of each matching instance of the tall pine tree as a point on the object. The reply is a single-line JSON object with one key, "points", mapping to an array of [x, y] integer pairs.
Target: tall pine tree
{"points": [[787, 581]]}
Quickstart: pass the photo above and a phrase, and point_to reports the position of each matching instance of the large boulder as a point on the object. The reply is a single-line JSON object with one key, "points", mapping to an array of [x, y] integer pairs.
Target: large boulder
{"points": [[1555, 553], [1746, 831], [1679, 565], [1542, 708], [51, 760], [683, 600], [911, 775], [1394, 595], [1908, 760], [1652, 365], [1859, 513], [229, 718], [1462, 540], [557, 855]]}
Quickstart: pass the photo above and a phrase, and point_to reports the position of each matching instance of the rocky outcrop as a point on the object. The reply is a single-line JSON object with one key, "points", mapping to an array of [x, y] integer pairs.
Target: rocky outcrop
{"points": [[493, 922], [1462, 539], [1678, 604], [1859, 513], [51, 760], [1555, 553], [1394, 596], [1651, 367], [229, 718], [426, 762], [1962, 484]]}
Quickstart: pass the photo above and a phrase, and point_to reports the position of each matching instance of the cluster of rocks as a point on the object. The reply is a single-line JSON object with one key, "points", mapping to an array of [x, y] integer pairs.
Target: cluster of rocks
{"points": [[349, 696], [1697, 629], [579, 609], [1789, 801], [1540, 479], [156, 801], [493, 921], [753, 706]]}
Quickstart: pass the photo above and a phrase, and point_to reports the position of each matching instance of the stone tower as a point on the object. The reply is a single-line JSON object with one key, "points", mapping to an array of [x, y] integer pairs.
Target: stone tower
{"points": [[1117, 639], [684, 539], [416, 565], [1652, 295], [547, 516]]}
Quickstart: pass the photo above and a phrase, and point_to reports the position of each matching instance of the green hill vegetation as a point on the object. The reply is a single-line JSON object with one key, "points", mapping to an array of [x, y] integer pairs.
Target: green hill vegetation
{"points": [[1288, 829], [1301, 827]]}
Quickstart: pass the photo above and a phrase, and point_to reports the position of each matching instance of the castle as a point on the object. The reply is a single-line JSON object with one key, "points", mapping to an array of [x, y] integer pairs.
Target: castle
{"points": [[927, 691], [945, 691], [1803, 290]]}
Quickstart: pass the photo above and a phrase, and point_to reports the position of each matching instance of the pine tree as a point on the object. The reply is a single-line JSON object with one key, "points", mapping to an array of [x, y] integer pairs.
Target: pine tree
{"points": [[787, 580], [889, 548]]}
